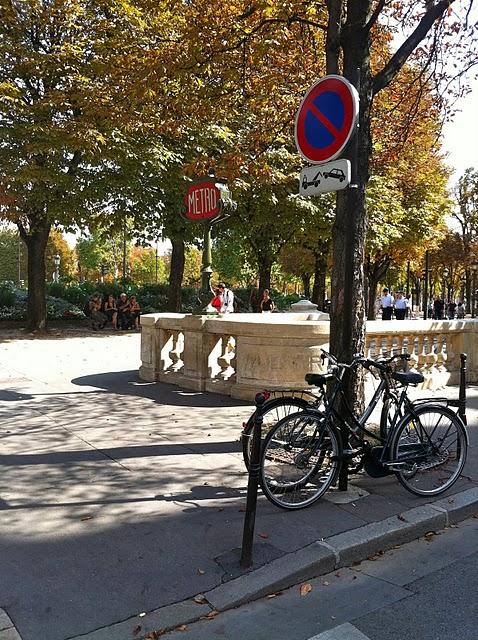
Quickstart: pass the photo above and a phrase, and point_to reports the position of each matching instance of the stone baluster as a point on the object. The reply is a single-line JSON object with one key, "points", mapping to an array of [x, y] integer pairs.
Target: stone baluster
{"points": [[440, 351], [413, 362], [166, 344], [226, 357], [421, 353], [177, 350], [389, 345]]}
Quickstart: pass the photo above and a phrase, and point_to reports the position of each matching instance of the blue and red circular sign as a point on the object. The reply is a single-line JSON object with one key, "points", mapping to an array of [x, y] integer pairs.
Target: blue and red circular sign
{"points": [[326, 119]]}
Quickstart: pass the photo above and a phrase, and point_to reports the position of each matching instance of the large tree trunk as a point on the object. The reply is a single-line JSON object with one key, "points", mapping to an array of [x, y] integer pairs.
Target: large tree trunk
{"points": [[375, 272], [176, 274], [265, 268], [36, 242], [305, 277], [347, 327], [320, 272]]}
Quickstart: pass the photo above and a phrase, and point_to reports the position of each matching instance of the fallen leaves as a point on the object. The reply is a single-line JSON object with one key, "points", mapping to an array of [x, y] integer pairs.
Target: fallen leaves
{"points": [[85, 518], [305, 588], [209, 616], [264, 535], [137, 629], [200, 599]]}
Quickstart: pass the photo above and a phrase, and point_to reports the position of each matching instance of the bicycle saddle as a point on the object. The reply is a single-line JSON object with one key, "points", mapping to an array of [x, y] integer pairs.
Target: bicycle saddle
{"points": [[407, 377], [318, 379]]}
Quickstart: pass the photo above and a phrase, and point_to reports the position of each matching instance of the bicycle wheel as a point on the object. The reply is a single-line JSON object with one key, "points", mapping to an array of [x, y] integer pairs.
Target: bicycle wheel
{"points": [[300, 460], [273, 411], [428, 450]]}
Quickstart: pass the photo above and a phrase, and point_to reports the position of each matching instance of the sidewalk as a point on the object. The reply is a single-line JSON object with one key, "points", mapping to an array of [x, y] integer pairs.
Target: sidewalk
{"points": [[121, 498]]}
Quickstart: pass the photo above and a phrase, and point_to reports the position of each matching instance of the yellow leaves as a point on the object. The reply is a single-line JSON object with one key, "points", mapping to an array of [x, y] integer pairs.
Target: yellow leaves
{"points": [[305, 589]]}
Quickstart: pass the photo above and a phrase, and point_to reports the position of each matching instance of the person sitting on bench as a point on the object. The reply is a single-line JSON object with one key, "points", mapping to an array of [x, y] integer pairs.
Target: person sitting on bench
{"points": [[122, 304], [111, 311], [134, 313]]}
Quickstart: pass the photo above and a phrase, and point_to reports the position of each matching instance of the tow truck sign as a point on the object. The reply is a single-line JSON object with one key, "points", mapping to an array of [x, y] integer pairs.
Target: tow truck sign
{"points": [[322, 178]]}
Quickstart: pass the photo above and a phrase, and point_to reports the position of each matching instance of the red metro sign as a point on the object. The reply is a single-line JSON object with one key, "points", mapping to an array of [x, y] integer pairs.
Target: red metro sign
{"points": [[203, 201]]}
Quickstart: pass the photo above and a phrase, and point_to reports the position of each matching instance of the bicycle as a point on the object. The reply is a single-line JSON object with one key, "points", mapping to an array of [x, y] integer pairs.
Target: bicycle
{"points": [[425, 444], [289, 401]]}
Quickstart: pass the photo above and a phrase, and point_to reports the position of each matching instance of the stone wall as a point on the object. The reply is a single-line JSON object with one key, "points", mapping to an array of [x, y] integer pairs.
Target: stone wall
{"points": [[240, 354]]}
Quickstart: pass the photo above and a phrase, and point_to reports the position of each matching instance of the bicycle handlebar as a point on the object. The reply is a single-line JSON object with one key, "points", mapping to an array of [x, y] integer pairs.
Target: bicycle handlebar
{"points": [[381, 363]]}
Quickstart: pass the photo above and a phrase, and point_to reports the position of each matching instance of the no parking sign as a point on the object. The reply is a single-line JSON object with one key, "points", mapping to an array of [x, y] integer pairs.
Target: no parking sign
{"points": [[326, 119]]}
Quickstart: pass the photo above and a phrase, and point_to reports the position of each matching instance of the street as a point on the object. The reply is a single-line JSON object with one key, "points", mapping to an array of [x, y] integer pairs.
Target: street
{"points": [[425, 590]]}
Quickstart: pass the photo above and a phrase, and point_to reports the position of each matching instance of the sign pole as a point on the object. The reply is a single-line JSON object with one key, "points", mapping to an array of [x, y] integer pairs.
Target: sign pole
{"points": [[206, 261]]}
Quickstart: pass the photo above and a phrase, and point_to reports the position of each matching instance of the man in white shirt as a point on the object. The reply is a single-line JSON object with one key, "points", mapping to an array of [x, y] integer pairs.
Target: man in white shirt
{"points": [[400, 306], [227, 298], [386, 302]]}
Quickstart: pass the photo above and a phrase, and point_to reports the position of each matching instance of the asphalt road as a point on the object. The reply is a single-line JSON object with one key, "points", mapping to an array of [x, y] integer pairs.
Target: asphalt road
{"points": [[425, 590]]}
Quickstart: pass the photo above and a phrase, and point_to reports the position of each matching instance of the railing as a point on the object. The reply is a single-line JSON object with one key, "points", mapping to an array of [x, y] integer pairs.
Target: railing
{"points": [[240, 353]]}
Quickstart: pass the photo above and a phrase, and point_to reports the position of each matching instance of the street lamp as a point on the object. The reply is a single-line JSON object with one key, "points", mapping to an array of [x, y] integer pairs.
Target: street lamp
{"points": [[445, 274], [474, 268], [56, 275]]}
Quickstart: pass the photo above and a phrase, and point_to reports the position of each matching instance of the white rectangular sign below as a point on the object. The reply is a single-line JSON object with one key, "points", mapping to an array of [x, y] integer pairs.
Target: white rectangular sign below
{"points": [[322, 178]]}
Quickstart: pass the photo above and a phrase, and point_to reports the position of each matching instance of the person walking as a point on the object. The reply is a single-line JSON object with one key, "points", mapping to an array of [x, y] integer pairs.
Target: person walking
{"points": [[400, 306], [386, 303]]}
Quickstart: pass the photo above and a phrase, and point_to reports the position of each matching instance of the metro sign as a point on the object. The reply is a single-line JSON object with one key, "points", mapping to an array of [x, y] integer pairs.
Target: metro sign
{"points": [[203, 201]]}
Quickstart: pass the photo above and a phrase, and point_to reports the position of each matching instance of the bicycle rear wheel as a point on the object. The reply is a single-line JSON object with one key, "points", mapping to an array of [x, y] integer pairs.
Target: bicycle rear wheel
{"points": [[428, 450], [273, 411], [300, 460]]}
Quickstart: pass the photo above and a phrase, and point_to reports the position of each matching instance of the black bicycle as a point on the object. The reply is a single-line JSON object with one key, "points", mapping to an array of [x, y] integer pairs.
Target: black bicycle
{"points": [[284, 402], [425, 443]]}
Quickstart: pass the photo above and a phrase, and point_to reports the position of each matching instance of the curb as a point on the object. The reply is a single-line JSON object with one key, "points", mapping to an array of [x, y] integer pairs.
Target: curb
{"points": [[7, 629], [318, 558]]}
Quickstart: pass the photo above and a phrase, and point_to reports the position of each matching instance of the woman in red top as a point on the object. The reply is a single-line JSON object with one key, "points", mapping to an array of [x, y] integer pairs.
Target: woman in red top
{"points": [[216, 302]]}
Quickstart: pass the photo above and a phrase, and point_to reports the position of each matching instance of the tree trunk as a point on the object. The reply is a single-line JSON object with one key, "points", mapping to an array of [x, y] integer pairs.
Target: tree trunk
{"points": [[347, 326], [320, 272], [305, 277], [176, 275], [36, 242], [265, 267], [375, 272]]}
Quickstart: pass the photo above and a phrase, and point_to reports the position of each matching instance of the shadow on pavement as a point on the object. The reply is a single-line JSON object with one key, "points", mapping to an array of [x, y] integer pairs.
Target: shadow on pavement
{"points": [[129, 383]]}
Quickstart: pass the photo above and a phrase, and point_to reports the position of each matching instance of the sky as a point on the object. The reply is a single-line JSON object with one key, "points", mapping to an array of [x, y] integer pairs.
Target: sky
{"points": [[460, 137]]}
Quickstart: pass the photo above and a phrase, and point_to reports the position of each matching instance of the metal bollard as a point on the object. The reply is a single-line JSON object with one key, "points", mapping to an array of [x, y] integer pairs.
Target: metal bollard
{"points": [[462, 393], [252, 485]]}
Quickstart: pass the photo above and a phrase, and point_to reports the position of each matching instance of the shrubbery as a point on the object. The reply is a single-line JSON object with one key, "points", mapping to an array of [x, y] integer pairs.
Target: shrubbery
{"points": [[16, 307], [66, 299]]}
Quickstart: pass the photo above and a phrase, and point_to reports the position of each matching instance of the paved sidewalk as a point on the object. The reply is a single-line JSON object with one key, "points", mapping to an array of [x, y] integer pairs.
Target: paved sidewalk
{"points": [[123, 501]]}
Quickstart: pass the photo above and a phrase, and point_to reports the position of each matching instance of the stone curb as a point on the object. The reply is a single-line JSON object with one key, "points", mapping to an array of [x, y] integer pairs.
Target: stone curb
{"points": [[318, 558], [7, 629]]}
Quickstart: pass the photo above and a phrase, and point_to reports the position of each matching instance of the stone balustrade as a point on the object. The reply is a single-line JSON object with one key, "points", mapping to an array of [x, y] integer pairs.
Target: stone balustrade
{"points": [[240, 354]]}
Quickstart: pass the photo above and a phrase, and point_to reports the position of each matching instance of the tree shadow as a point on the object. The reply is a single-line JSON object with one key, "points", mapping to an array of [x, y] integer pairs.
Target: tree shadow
{"points": [[129, 383]]}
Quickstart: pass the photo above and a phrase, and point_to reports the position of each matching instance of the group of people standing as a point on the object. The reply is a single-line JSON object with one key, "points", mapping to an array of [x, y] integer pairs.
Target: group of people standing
{"points": [[400, 305], [224, 302], [390, 304], [122, 313]]}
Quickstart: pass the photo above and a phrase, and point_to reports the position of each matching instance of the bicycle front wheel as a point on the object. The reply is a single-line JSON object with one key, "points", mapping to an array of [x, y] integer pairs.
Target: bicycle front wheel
{"points": [[428, 450], [300, 460]]}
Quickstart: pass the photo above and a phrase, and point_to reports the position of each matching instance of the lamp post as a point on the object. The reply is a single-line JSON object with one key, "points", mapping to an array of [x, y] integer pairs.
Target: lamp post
{"points": [[425, 289], [56, 275], [445, 274], [474, 268]]}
